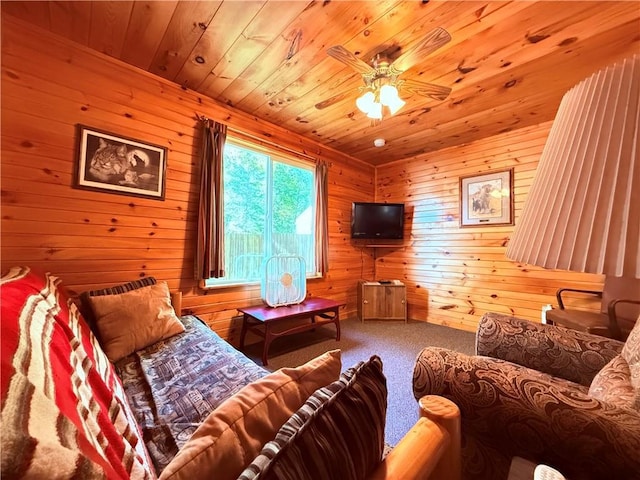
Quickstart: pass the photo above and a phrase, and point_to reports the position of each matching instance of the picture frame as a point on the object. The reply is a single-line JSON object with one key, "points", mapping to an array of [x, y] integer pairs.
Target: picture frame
{"points": [[112, 163], [487, 199]]}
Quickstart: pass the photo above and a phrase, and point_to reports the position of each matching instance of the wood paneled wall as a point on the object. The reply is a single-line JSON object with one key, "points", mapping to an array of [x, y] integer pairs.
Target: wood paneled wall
{"points": [[92, 239], [453, 274]]}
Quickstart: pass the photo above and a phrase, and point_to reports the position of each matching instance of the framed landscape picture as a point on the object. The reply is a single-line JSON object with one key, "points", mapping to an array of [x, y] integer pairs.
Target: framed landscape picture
{"points": [[117, 164], [487, 199]]}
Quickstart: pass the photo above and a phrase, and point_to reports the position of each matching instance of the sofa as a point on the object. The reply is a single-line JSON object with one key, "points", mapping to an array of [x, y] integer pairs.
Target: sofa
{"points": [[115, 384], [550, 395]]}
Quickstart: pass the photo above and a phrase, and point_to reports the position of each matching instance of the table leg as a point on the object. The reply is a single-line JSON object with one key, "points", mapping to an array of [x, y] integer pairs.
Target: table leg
{"points": [[335, 318], [243, 331], [267, 341]]}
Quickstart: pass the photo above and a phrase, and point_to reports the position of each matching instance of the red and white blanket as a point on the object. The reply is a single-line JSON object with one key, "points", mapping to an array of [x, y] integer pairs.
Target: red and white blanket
{"points": [[64, 412]]}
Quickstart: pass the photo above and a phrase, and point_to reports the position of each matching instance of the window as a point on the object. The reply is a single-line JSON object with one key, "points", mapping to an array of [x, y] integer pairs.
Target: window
{"points": [[269, 209]]}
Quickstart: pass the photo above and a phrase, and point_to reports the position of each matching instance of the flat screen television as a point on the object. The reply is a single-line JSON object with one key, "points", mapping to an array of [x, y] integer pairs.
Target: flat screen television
{"points": [[377, 220]]}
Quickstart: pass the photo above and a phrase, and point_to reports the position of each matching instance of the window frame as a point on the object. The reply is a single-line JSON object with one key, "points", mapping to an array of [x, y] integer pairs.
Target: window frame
{"points": [[283, 157]]}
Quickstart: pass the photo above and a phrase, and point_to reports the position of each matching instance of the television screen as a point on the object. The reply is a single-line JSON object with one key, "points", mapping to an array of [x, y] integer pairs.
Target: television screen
{"points": [[377, 220]]}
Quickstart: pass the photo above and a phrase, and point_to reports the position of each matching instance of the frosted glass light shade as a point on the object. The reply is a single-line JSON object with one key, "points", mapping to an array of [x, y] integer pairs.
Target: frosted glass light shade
{"points": [[388, 94], [375, 111], [390, 98], [365, 102], [583, 210], [396, 105]]}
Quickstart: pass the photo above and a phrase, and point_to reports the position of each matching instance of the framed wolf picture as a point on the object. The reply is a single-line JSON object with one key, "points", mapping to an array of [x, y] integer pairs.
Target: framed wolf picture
{"points": [[117, 164], [487, 199]]}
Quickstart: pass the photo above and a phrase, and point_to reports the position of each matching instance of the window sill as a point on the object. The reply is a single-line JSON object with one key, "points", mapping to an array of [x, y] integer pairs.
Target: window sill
{"points": [[252, 285]]}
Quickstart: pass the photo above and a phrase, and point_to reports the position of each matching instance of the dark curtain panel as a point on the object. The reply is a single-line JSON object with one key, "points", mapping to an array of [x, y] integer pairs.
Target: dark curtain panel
{"points": [[210, 248], [322, 222]]}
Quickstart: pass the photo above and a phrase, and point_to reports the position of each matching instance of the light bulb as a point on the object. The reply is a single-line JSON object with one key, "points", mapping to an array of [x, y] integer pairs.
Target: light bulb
{"points": [[365, 101]]}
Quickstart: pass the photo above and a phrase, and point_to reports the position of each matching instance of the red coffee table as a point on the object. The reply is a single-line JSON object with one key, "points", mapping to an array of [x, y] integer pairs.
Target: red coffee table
{"points": [[255, 317]]}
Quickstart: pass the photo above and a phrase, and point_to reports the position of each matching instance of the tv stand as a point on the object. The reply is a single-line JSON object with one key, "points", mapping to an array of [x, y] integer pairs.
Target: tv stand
{"points": [[382, 301]]}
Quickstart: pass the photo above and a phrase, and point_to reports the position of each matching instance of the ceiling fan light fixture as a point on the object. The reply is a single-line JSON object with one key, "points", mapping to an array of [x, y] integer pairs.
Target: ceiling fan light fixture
{"points": [[365, 102], [388, 95], [381, 77], [375, 111], [396, 105]]}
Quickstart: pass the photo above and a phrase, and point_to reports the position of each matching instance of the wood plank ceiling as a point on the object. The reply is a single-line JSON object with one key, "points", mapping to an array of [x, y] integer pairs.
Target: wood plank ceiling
{"points": [[508, 63]]}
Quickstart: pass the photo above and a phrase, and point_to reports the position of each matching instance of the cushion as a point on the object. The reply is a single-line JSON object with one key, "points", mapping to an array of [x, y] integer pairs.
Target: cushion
{"points": [[85, 306], [133, 320], [612, 384], [337, 433], [631, 353], [233, 434], [619, 381]]}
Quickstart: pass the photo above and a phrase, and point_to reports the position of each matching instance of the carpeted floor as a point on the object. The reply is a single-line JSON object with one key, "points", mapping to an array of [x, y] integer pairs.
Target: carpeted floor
{"points": [[396, 343]]}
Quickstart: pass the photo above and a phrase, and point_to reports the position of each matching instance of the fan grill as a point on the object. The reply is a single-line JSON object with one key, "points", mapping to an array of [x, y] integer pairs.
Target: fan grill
{"points": [[284, 280]]}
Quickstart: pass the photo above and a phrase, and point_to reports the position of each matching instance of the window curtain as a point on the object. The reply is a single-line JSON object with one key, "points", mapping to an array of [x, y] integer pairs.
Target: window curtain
{"points": [[210, 247], [322, 221]]}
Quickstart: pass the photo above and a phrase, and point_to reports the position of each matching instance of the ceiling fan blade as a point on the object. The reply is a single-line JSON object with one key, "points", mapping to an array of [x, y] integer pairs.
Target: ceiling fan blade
{"points": [[435, 39], [345, 56], [437, 92], [335, 99]]}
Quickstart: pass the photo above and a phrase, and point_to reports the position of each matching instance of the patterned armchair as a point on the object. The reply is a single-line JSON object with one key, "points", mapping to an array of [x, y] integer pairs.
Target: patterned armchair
{"points": [[552, 395]]}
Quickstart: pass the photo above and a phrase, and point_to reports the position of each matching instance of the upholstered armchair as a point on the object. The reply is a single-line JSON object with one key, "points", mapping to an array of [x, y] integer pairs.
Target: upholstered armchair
{"points": [[551, 395]]}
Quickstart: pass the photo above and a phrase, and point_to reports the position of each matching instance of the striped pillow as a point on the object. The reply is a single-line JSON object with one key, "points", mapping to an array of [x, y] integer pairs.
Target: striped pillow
{"points": [[337, 433], [123, 288]]}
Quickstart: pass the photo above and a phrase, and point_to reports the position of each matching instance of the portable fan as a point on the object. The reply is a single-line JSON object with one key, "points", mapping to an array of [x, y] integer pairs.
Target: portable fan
{"points": [[284, 280]]}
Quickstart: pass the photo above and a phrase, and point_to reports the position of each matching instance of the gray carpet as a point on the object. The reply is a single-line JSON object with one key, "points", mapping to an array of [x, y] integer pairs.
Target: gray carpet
{"points": [[396, 343]]}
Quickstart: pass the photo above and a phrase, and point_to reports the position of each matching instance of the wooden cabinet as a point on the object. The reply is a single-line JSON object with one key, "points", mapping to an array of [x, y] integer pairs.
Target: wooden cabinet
{"points": [[382, 301]]}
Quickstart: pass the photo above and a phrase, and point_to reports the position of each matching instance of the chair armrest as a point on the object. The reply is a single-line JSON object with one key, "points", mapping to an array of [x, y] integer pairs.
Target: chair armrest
{"points": [[508, 410], [576, 290], [430, 449], [561, 352]]}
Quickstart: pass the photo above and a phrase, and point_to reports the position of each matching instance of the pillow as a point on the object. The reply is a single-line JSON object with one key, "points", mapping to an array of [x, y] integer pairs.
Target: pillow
{"points": [[338, 432], [133, 320], [84, 305], [631, 353], [612, 384], [233, 434]]}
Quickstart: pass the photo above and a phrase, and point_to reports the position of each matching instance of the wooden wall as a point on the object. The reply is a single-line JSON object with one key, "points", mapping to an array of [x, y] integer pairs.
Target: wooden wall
{"points": [[93, 239], [453, 274]]}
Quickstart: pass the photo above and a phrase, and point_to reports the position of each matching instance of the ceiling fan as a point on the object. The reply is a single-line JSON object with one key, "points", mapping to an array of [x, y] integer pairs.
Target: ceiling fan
{"points": [[381, 79]]}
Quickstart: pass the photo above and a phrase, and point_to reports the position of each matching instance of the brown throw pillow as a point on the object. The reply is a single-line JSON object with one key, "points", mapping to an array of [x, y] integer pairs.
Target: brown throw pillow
{"points": [[631, 353], [612, 384], [235, 432], [133, 320], [85, 306]]}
